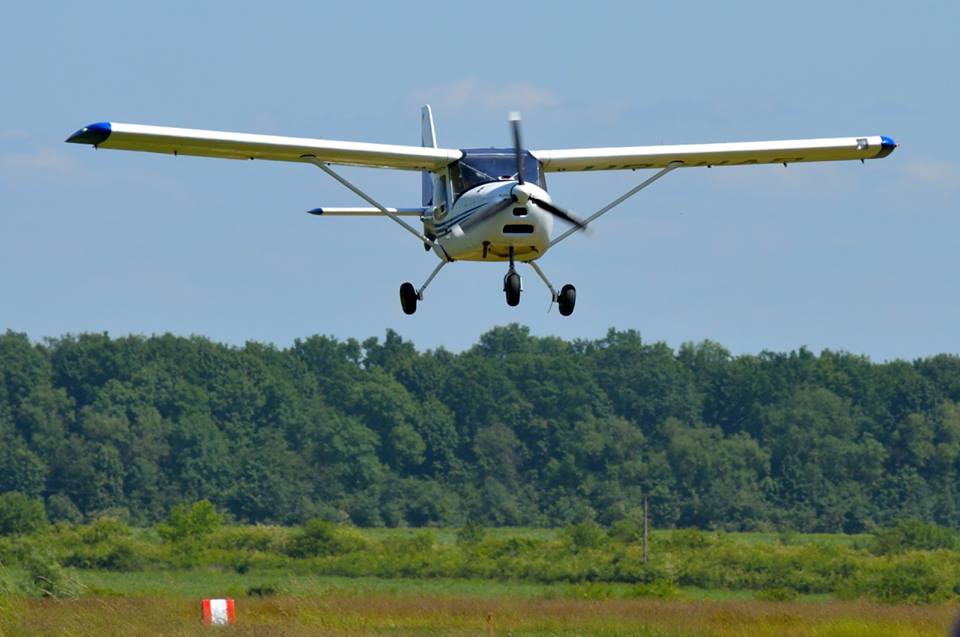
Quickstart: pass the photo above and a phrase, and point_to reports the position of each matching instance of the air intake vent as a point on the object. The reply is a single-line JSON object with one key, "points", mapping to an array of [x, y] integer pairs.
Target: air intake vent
{"points": [[518, 228]]}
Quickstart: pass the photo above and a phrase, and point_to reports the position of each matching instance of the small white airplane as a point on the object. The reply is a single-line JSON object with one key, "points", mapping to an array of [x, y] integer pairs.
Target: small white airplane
{"points": [[479, 204]]}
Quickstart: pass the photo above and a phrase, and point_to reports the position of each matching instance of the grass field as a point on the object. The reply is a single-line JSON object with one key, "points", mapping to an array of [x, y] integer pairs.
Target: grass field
{"points": [[108, 579], [361, 615]]}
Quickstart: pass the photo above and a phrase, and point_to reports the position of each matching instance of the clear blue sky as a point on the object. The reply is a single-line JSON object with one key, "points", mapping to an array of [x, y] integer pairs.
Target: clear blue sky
{"points": [[863, 258]]}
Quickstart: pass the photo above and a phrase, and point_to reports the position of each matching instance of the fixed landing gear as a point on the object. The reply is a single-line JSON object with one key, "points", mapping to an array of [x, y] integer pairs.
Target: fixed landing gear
{"points": [[566, 299], [408, 298], [512, 284], [409, 295]]}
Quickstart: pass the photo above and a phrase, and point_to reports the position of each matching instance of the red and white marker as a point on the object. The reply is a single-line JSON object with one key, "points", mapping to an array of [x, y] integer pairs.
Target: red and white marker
{"points": [[218, 612]]}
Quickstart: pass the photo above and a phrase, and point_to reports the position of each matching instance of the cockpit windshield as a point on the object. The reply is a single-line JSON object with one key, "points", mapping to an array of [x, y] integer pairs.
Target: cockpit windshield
{"points": [[493, 164]]}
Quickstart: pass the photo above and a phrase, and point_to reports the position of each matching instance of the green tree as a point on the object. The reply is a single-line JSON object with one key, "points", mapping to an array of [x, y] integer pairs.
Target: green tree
{"points": [[20, 514], [189, 522]]}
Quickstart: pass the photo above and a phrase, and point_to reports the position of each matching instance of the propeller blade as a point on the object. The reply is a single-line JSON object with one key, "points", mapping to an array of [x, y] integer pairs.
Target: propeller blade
{"points": [[517, 145], [560, 212], [483, 215]]}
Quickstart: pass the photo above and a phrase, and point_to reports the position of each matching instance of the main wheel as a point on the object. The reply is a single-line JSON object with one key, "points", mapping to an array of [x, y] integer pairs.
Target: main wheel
{"points": [[511, 285], [408, 298], [567, 299]]}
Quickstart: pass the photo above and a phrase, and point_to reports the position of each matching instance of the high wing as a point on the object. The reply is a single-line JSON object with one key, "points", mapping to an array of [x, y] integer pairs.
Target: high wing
{"points": [[207, 143], [724, 154]]}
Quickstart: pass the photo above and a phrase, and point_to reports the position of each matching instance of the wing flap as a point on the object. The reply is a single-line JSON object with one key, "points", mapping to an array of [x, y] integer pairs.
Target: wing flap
{"points": [[722, 154], [226, 145]]}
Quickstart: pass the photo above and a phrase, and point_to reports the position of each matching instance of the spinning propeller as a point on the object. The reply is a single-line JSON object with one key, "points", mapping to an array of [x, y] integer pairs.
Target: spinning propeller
{"points": [[519, 194]]}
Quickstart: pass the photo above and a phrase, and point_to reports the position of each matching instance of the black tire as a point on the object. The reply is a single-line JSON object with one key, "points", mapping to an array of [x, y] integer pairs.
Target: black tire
{"points": [[511, 285], [408, 298], [567, 299]]}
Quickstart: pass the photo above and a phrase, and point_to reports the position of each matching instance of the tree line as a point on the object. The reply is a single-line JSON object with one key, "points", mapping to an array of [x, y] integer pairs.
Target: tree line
{"points": [[517, 430]]}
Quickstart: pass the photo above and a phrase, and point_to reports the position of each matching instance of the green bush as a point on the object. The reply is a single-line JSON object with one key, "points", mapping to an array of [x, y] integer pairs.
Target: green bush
{"points": [[662, 589], [626, 531], [913, 579], [471, 533], [104, 529], [583, 536], [45, 577], [320, 538], [777, 594], [20, 515], [420, 542], [912, 535], [190, 522], [61, 508], [691, 539], [266, 539]]}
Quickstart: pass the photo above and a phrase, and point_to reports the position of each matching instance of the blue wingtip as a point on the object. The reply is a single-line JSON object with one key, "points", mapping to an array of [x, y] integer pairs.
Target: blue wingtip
{"points": [[94, 134], [887, 146], [315, 211]]}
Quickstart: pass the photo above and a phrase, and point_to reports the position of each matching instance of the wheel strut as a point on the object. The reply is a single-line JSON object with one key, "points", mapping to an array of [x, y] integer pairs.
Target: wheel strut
{"points": [[566, 298], [409, 295]]}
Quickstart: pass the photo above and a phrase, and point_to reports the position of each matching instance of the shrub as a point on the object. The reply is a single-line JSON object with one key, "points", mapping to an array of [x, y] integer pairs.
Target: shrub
{"points": [[691, 539], [47, 578], [417, 544], [585, 535], [20, 515], [122, 557], [190, 522], [104, 529], [662, 589], [908, 580], [471, 533], [777, 594], [266, 539], [60, 508], [320, 538], [626, 531], [912, 535]]}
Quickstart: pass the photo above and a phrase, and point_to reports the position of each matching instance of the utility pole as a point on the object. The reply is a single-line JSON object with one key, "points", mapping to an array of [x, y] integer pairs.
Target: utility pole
{"points": [[646, 529]]}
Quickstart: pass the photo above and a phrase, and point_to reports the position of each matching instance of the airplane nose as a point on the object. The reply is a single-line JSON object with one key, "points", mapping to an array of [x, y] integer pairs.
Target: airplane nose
{"points": [[94, 134], [521, 193]]}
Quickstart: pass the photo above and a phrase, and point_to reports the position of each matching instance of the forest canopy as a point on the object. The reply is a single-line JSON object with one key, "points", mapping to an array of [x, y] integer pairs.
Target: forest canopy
{"points": [[516, 430]]}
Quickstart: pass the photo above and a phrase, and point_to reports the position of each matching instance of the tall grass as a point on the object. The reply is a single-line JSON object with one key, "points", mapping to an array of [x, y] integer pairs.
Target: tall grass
{"points": [[398, 616]]}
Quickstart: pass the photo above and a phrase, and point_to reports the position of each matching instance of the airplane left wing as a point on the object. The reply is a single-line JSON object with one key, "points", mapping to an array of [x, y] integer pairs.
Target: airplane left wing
{"points": [[206, 143], [724, 154]]}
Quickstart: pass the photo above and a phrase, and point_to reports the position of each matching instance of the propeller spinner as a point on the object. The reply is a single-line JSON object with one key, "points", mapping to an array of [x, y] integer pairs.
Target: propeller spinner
{"points": [[522, 195]]}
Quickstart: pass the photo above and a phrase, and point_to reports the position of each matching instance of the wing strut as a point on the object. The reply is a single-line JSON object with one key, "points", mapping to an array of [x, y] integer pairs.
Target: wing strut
{"points": [[616, 202], [322, 165]]}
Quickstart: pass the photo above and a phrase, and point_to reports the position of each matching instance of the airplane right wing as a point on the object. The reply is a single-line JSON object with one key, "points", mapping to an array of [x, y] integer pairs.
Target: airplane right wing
{"points": [[206, 143]]}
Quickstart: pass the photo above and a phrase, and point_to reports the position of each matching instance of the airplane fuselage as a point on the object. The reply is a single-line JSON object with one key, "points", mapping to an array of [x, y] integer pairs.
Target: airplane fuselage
{"points": [[465, 192], [523, 225]]}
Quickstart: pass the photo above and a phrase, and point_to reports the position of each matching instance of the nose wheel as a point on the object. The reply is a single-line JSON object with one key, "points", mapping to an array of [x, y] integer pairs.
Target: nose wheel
{"points": [[512, 286]]}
